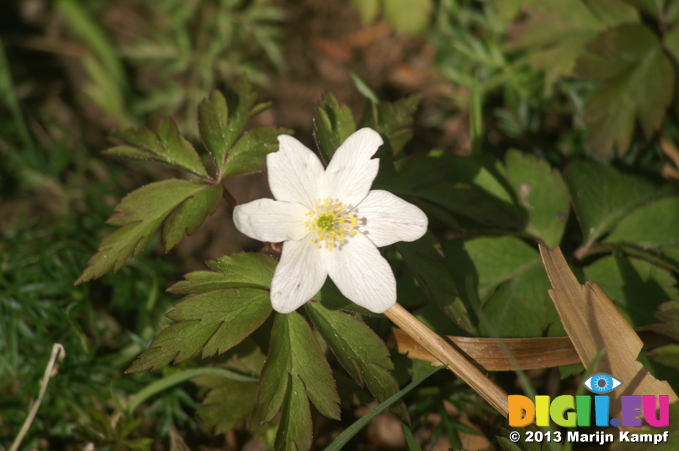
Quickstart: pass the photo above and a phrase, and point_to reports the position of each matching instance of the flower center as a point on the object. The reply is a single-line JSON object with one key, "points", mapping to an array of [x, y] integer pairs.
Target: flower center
{"points": [[329, 222]]}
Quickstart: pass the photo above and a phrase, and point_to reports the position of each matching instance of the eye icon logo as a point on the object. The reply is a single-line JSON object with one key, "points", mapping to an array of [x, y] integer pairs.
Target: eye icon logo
{"points": [[600, 383]]}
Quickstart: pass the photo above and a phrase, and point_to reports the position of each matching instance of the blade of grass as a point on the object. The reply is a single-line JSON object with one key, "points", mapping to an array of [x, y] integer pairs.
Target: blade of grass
{"points": [[352, 430], [475, 117], [364, 89], [177, 378], [410, 439], [8, 98], [90, 32]]}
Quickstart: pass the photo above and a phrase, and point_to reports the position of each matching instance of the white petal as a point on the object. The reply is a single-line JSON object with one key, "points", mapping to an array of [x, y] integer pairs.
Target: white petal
{"points": [[294, 172], [362, 274], [298, 276], [389, 219], [351, 171], [270, 220]]}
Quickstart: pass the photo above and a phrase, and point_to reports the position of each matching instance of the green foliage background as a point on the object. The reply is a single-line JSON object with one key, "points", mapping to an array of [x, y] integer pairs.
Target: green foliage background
{"points": [[570, 111]]}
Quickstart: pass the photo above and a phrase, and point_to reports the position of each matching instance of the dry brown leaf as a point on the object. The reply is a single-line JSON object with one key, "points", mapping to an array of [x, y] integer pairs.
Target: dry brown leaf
{"points": [[490, 354], [593, 324]]}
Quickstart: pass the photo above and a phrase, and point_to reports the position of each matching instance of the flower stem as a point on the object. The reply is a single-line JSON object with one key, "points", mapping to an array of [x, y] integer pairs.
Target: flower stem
{"points": [[450, 357]]}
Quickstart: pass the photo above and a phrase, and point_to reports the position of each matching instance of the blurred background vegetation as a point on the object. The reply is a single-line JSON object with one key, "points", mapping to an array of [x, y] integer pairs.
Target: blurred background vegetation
{"points": [[559, 80]]}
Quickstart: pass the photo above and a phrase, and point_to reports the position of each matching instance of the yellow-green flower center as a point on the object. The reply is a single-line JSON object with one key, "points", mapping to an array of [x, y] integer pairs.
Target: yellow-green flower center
{"points": [[330, 222]]}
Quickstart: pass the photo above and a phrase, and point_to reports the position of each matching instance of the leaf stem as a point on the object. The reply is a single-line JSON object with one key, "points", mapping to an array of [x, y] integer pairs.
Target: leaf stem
{"points": [[450, 357], [176, 378]]}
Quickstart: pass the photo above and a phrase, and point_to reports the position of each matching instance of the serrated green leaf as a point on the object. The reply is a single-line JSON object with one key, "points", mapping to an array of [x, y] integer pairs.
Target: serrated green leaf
{"points": [[294, 351], [140, 213], [426, 265], [237, 270], [227, 403], [636, 286], [667, 355], [295, 428], [653, 225], [512, 285], [541, 191], [602, 195], [213, 114], [221, 120], [668, 313], [190, 215], [333, 124], [638, 81], [392, 120], [167, 146], [558, 31], [359, 350], [249, 153], [408, 16], [214, 322]]}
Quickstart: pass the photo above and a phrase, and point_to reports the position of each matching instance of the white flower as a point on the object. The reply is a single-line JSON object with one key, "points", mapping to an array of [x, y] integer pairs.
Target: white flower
{"points": [[331, 223]]}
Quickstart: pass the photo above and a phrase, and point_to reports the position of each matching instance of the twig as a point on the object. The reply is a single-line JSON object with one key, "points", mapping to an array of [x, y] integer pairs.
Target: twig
{"points": [[450, 357], [59, 352]]}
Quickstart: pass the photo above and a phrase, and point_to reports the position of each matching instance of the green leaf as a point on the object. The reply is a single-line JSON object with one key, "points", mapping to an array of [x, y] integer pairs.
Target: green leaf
{"points": [[425, 262], [392, 120], [602, 196], [667, 355], [221, 120], [214, 322], [652, 7], [249, 153], [668, 313], [558, 31], [636, 286], [359, 350], [429, 178], [364, 89], [671, 41], [333, 124], [638, 81], [190, 215], [167, 146], [653, 225], [237, 270], [295, 428], [213, 114], [512, 285], [368, 9], [408, 16], [227, 403], [140, 213], [541, 191], [294, 352]]}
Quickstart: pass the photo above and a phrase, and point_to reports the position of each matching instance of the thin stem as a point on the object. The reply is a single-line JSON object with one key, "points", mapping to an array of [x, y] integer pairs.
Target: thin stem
{"points": [[450, 357], [58, 352]]}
